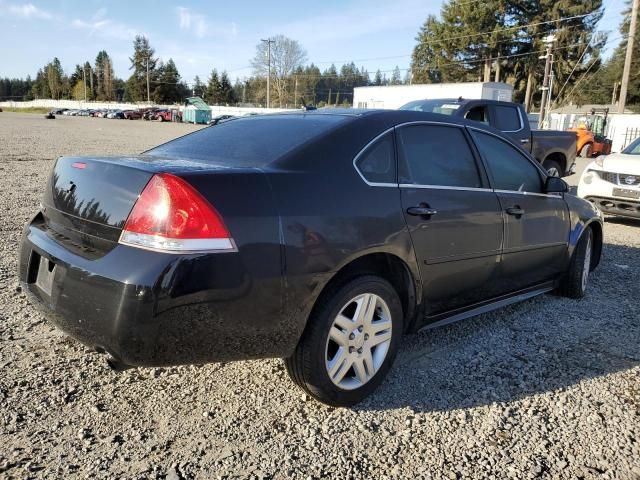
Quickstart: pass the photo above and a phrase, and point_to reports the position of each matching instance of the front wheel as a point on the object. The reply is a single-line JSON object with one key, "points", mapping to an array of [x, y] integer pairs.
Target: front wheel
{"points": [[350, 342], [574, 283], [586, 151]]}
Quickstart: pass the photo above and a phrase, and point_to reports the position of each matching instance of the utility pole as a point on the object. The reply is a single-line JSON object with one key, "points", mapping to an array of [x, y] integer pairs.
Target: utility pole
{"points": [[545, 84], [497, 77], [614, 95], [269, 42], [148, 96], [552, 76], [295, 94], [244, 92], [628, 57]]}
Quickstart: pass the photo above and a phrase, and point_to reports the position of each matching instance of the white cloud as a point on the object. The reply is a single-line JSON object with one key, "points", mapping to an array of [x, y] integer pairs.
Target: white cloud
{"points": [[28, 11], [201, 27], [101, 26], [351, 23]]}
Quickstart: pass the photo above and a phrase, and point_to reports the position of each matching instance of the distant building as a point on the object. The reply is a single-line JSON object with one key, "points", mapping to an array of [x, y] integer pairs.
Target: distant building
{"points": [[394, 96]]}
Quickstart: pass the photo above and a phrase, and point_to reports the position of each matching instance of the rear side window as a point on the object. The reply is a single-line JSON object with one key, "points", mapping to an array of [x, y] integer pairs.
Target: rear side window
{"points": [[249, 142], [478, 114], [377, 163], [510, 169], [437, 155], [507, 119]]}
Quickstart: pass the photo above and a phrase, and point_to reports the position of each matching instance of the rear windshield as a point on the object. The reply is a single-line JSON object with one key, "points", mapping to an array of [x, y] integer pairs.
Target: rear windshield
{"points": [[442, 107], [249, 142]]}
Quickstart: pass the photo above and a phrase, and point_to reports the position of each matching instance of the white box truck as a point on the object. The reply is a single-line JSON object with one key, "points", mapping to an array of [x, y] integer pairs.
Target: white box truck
{"points": [[394, 96]]}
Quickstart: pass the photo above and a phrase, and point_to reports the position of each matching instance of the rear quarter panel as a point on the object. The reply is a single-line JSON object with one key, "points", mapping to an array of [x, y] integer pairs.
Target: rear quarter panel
{"points": [[330, 217]]}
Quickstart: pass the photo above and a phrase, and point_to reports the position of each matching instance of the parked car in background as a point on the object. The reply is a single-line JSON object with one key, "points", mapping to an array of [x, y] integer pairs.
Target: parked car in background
{"points": [[555, 150], [132, 114], [162, 115], [220, 119], [149, 113], [321, 237], [612, 182], [59, 111], [117, 114]]}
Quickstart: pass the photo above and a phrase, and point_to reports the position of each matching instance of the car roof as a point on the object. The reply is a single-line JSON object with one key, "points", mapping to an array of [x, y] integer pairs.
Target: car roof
{"points": [[391, 117], [463, 101]]}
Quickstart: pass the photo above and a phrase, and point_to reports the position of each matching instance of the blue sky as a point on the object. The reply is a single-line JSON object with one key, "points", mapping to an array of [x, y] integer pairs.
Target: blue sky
{"points": [[201, 35]]}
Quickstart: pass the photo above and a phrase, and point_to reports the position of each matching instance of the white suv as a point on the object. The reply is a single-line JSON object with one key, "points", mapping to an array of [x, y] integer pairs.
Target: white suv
{"points": [[612, 182]]}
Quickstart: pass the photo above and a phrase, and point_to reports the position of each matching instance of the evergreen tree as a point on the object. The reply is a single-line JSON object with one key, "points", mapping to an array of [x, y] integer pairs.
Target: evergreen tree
{"points": [[472, 40], [142, 59], [213, 96], [103, 72], [227, 95], [377, 80], [167, 88], [199, 88], [396, 78], [54, 78], [599, 86]]}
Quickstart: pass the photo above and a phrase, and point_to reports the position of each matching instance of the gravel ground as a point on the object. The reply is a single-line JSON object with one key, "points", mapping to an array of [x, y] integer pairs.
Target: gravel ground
{"points": [[547, 388]]}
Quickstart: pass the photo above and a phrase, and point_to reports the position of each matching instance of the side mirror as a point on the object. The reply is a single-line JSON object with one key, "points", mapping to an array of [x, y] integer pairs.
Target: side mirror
{"points": [[555, 185]]}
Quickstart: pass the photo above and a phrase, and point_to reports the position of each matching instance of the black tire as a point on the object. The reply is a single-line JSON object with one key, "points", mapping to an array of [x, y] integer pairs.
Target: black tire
{"points": [[552, 166], [572, 284], [307, 366], [586, 150]]}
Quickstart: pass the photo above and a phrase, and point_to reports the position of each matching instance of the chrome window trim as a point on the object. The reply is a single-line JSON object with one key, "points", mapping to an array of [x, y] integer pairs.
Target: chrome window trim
{"points": [[362, 151], [444, 187], [475, 189], [554, 195]]}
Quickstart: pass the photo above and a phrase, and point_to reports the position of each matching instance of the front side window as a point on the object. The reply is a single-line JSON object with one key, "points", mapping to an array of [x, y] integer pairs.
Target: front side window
{"points": [[437, 155], [510, 169], [507, 119], [377, 163]]}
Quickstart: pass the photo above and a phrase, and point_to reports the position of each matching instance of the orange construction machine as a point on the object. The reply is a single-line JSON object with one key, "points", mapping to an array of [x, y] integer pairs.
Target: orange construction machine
{"points": [[590, 132]]}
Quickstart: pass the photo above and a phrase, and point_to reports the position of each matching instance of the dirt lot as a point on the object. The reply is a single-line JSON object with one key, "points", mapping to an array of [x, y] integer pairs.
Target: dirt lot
{"points": [[548, 388]]}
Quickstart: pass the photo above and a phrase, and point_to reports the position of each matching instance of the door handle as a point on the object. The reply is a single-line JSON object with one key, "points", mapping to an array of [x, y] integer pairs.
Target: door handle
{"points": [[421, 211], [524, 140], [516, 211]]}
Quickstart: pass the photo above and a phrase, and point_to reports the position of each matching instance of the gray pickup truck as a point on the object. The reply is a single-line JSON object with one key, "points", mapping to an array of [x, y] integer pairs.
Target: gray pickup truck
{"points": [[555, 150]]}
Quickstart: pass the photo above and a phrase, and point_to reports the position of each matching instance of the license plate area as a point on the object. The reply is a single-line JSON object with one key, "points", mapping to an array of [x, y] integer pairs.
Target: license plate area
{"points": [[45, 272], [623, 192]]}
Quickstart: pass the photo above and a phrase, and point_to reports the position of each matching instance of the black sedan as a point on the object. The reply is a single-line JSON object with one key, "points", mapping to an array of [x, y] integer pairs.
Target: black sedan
{"points": [[317, 237]]}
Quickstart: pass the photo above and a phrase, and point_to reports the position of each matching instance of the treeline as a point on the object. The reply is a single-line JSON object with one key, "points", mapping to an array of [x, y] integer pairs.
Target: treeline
{"points": [[505, 40], [602, 84], [471, 40], [292, 82]]}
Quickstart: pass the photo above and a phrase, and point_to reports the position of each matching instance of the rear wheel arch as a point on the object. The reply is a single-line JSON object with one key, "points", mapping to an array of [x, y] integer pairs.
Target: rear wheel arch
{"points": [[387, 266], [598, 240], [558, 158]]}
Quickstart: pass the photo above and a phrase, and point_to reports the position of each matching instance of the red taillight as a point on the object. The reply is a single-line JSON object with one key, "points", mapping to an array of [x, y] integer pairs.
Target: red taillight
{"points": [[171, 215], [80, 165]]}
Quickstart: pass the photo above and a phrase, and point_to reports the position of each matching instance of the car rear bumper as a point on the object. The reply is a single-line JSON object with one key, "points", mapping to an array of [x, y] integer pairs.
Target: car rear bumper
{"points": [[147, 308]]}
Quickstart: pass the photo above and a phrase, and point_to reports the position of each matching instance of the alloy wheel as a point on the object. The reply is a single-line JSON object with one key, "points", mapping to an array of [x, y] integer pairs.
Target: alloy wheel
{"points": [[358, 341]]}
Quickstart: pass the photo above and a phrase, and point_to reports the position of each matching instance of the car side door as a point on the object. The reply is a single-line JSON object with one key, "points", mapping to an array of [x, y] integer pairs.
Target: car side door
{"points": [[454, 218], [537, 224]]}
